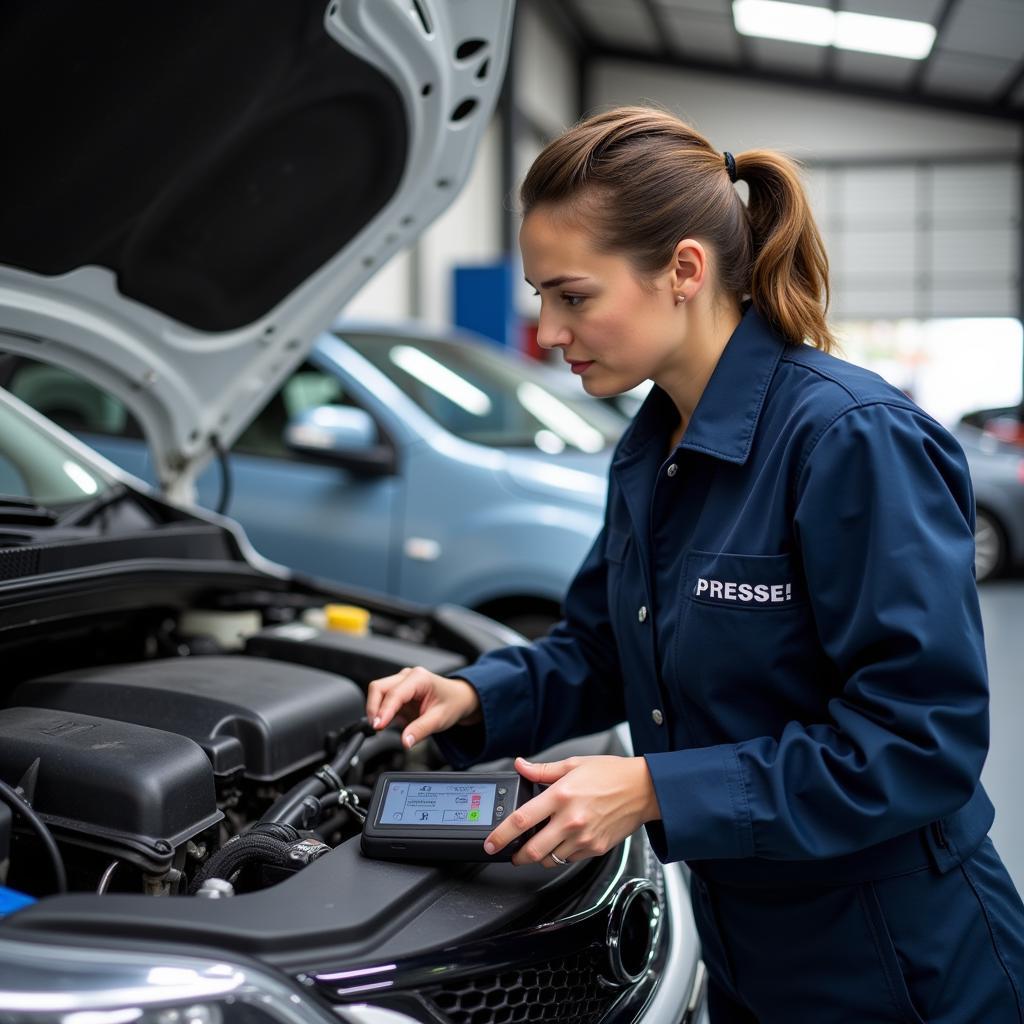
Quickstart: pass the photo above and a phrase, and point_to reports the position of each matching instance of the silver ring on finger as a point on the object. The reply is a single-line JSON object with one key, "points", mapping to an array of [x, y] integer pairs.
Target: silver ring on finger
{"points": [[558, 860]]}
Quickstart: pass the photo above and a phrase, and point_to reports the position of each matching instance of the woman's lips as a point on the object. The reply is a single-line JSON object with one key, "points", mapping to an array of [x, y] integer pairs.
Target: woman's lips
{"points": [[581, 367]]}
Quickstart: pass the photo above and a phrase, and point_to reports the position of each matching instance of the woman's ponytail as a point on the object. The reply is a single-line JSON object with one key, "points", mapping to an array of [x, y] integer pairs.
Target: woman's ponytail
{"points": [[789, 275]]}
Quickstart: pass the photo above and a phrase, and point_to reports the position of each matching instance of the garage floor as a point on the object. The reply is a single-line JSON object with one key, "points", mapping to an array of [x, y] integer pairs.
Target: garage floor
{"points": [[1002, 608]]}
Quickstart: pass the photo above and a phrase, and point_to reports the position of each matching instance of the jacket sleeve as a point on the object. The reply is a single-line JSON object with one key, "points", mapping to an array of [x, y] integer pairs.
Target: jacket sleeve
{"points": [[563, 685], [884, 528]]}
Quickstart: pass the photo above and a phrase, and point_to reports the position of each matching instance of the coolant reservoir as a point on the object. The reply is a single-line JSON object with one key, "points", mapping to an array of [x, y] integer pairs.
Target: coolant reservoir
{"points": [[228, 628], [347, 618]]}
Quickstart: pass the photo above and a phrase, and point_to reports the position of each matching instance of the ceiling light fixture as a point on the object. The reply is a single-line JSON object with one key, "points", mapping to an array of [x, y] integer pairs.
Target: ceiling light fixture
{"points": [[818, 26]]}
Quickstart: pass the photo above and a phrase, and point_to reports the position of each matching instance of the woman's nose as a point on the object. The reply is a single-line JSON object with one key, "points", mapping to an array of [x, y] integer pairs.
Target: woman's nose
{"points": [[551, 334]]}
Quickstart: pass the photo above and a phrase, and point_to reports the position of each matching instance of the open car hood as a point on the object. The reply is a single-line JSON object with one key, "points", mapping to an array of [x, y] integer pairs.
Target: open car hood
{"points": [[192, 193]]}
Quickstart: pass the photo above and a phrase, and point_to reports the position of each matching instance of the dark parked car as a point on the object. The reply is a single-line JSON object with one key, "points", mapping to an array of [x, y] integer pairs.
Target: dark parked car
{"points": [[993, 440], [190, 195]]}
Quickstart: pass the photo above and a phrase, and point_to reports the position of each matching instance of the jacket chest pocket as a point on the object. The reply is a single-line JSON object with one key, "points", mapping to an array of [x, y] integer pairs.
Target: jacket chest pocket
{"points": [[758, 583], [747, 640], [623, 582]]}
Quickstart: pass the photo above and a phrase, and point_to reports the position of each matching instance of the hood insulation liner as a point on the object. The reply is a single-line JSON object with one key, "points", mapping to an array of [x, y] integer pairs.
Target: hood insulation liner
{"points": [[212, 155]]}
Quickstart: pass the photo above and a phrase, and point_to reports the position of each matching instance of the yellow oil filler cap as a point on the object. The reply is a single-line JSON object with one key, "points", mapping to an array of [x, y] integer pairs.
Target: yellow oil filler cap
{"points": [[348, 618]]}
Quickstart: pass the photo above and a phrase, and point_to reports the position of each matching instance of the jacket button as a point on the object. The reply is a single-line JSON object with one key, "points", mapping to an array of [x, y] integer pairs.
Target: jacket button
{"points": [[657, 717], [672, 470], [642, 613]]}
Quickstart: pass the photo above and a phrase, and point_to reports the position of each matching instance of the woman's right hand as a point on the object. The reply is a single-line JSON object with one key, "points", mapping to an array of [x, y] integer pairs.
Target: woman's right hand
{"points": [[422, 701]]}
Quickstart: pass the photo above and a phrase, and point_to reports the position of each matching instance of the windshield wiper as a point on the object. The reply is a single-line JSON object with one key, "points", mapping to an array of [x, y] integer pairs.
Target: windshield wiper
{"points": [[81, 514], [17, 510]]}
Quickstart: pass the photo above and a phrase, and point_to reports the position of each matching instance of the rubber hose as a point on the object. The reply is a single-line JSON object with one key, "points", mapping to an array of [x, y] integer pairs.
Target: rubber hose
{"points": [[253, 846], [385, 742], [289, 806]]}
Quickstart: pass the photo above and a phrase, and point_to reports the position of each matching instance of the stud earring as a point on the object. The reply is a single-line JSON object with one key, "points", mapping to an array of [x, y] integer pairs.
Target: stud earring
{"points": [[680, 298]]}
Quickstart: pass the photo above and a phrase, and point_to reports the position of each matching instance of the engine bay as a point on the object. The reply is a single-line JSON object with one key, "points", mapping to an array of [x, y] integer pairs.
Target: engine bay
{"points": [[220, 751]]}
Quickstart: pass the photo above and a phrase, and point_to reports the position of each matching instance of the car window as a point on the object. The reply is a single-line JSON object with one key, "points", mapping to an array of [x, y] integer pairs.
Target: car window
{"points": [[68, 399], [305, 389], [35, 465], [489, 396], [12, 480]]}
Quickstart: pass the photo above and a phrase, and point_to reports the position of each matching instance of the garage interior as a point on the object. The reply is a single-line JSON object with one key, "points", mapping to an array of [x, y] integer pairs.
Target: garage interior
{"points": [[291, 477], [916, 172]]}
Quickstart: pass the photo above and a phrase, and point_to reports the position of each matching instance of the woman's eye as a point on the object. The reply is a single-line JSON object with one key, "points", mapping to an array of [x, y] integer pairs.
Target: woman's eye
{"points": [[573, 300]]}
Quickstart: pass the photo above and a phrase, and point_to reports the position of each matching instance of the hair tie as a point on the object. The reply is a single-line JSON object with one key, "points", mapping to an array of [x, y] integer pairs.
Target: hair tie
{"points": [[730, 166]]}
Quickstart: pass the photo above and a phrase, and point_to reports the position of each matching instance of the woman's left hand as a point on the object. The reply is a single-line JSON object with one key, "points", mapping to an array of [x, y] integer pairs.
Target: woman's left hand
{"points": [[593, 803]]}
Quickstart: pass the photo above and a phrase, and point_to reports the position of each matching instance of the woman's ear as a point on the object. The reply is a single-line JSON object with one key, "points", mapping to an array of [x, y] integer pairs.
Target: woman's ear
{"points": [[689, 267]]}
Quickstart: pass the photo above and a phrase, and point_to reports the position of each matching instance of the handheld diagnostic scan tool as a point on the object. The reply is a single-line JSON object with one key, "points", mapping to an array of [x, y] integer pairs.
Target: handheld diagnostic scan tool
{"points": [[442, 815]]}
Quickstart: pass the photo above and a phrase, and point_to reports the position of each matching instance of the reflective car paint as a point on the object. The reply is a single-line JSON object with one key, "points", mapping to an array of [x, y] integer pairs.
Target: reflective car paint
{"points": [[458, 522]]}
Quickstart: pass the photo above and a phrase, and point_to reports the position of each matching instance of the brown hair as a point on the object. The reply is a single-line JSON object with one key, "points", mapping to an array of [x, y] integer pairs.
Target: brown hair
{"points": [[639, 179]]}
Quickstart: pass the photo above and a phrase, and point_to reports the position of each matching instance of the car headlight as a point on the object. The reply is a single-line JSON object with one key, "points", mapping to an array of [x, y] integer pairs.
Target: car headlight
{"points": [[70, 985]]}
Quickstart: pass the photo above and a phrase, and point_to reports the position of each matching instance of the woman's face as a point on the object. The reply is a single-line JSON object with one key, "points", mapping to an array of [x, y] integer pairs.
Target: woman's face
{"points": [[613, 331]]}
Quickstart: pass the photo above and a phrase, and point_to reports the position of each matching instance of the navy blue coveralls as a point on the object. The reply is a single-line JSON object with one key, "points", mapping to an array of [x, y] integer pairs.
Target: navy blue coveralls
{"points": [[784, 610]]}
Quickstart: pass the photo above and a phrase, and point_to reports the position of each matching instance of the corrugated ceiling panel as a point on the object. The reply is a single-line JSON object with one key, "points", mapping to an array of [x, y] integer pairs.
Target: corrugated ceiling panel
{"points": [[910, 10], [619, 23], [992, 28], [977, 54], [779, 56], [700, 35], [874, 69], [968, 75], [717, 7]]}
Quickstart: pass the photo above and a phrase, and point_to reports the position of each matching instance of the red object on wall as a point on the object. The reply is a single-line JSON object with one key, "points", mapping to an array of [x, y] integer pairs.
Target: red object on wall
{"points": [[528, 341]]}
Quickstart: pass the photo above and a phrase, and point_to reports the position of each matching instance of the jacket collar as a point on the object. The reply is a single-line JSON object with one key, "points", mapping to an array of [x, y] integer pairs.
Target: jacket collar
{"points": [[726, 417]]}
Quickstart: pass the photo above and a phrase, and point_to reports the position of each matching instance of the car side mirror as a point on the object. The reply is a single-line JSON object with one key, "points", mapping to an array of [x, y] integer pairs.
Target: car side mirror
{"points": [[342, 435]]}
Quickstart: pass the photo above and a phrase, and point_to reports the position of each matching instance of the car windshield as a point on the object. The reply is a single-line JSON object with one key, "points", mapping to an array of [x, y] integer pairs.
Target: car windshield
{"points": [[35, 467], [492, 397]]}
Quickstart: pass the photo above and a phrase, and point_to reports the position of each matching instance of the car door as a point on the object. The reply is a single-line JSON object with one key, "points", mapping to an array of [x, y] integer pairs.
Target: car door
{"points": [[308, 512], [304, 511]]}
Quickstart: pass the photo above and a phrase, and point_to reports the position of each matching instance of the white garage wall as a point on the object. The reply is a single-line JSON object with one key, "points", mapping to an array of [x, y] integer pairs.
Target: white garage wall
{"points": [[545, 71], [738, 115], [417, 283], [468, 232]]}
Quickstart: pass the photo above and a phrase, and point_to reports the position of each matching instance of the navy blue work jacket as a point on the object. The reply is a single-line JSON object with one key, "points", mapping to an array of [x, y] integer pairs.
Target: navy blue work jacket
{"points": [[784, 609]]}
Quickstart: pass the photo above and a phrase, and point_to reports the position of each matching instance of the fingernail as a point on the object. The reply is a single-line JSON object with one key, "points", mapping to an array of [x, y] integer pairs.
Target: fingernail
{"points": [[376, 722], [409, 739], [523, 759], [489, 847]]}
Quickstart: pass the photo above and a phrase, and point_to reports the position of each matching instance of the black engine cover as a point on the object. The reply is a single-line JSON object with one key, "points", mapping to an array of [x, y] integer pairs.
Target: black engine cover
{"points": [[133, 791], [263, 718]]}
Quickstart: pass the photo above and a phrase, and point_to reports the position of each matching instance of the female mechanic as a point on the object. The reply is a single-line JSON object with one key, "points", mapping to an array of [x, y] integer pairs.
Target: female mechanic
{"points": [[781, 603]]}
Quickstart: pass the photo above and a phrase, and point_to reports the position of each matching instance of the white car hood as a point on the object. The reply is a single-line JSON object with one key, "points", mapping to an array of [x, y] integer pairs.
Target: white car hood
{"points": [[195, 191]]}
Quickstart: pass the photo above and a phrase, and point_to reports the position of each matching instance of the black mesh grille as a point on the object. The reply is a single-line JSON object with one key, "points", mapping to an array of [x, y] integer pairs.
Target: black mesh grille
{"points": [[566, 990], [18, 562]]}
